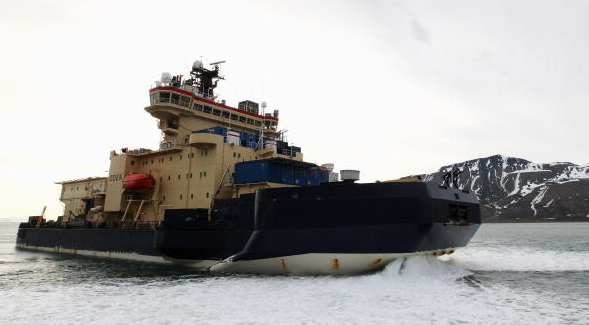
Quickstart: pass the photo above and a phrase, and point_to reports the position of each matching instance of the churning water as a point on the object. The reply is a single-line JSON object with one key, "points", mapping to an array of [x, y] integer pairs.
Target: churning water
{"points": [[510, 274]]}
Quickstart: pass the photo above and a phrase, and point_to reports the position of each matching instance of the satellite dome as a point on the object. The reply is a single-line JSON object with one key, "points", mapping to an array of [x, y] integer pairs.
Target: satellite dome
{"points": [[197, 64], [166, 77]]}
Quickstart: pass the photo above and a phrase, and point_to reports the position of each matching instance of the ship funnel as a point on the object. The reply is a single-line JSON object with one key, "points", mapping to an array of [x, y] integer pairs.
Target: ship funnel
{"points": [[349, 175], [166, 77]]}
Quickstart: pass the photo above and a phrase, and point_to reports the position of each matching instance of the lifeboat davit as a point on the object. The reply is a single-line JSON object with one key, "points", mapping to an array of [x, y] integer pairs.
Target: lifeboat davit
{"points": [[138, 181]]}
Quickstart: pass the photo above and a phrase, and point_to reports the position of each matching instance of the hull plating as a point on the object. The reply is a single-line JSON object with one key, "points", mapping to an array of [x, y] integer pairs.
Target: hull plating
{"points": [[317, 263], [200, 265], [334, 229]]}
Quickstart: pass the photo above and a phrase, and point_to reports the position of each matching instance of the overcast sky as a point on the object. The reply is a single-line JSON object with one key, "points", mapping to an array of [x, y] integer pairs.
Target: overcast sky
{"points": [[391, 88]]}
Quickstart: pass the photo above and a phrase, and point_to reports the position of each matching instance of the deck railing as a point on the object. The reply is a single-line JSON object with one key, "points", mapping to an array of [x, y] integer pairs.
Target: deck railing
{"points": [[81, 224]]}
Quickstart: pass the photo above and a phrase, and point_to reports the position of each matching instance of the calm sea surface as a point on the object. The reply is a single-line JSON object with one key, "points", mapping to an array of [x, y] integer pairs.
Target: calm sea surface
{"points": [[510, 274]]}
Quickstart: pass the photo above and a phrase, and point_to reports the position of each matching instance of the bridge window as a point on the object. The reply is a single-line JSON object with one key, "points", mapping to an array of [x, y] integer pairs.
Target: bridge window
{"points": [[257, 123], [241, 118], [225, 114], [175, 98], [207, 109], [185, 101], [250, 121], [165, 96], [234, 117], [197, 107], [153, 98], [216, 112]]}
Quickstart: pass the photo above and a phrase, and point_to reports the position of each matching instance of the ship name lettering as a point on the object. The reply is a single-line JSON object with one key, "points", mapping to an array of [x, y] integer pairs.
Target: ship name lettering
{"points": [[115, 177]]}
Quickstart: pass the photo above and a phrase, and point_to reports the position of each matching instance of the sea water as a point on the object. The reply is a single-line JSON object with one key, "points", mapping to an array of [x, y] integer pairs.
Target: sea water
{"points": [[509, 274]]}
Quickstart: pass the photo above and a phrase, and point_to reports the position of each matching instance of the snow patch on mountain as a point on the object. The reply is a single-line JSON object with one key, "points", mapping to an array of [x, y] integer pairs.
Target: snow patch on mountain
{"points": [[506, 184], [538, 199]]}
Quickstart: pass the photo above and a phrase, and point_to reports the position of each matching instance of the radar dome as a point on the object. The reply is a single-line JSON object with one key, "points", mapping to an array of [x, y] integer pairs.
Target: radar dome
{"points": [[197, 64], [166, 77]]}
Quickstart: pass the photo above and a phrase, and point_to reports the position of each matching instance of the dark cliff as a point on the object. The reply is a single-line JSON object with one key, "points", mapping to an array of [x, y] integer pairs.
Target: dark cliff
{"points": [[516, 190]]}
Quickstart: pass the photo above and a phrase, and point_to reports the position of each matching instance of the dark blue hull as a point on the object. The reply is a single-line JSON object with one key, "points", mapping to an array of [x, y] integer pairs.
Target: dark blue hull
{"points": [[341, 218]]}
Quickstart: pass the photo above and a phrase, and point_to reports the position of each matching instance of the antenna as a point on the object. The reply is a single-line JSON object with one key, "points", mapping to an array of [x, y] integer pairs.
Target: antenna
{"points": [[261, 140]]}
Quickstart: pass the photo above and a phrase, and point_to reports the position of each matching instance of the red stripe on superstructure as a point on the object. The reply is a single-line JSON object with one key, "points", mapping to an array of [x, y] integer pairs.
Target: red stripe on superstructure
{"points": [[208, 101]]}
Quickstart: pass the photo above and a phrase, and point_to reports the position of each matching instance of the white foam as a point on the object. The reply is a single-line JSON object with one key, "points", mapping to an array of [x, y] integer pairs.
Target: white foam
{"points": [[423, 266], [518, 259], [422, 290]]}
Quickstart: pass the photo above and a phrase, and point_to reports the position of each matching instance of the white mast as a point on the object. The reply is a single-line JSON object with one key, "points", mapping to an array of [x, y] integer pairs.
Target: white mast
{"points": [[261, 140]]}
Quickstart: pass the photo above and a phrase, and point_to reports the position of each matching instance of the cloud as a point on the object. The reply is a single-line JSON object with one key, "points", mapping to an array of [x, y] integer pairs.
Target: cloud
{"points": [[420, 32]]}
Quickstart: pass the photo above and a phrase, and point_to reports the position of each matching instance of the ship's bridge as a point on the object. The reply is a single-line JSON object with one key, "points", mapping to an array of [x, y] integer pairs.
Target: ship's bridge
{"points": [[169, 104]]}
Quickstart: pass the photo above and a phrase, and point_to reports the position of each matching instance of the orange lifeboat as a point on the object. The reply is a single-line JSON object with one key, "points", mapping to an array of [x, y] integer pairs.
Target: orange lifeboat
{"points": [[138, 181]]}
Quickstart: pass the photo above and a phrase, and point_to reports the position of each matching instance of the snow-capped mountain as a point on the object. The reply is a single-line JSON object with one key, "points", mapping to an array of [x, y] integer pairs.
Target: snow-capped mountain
{"points": [[514, 189]]}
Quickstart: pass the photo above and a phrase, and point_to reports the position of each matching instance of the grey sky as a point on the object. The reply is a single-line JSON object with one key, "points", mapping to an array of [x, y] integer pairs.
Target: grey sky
{"points": [[388, 87]]}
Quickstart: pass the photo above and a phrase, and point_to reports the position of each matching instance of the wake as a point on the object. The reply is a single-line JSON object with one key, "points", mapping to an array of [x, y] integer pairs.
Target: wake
{"points": [[517, 259], [463, 262], [424, 266]]}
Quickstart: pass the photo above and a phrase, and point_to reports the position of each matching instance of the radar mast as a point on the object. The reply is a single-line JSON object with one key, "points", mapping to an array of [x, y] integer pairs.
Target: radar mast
{"points": [[205, 79]]}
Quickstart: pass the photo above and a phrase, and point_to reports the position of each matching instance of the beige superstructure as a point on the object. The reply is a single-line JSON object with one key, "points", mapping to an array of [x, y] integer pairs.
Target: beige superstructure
{"points": [[190, 169], [81, 195]]}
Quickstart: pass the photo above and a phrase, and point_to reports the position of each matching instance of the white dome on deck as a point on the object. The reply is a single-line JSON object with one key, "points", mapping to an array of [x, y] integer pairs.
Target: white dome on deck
{"points": [[166, 77]]}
